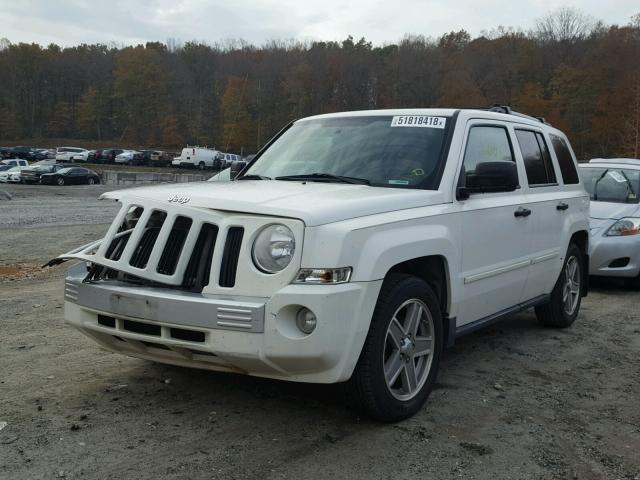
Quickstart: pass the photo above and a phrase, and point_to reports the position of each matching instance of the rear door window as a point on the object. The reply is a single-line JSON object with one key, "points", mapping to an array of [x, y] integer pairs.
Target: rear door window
{"points": [[537, 160], [565, 160]]}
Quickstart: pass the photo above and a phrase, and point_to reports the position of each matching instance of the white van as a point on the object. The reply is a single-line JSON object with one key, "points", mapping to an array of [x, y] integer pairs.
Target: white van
{"points": [[198, 157]]}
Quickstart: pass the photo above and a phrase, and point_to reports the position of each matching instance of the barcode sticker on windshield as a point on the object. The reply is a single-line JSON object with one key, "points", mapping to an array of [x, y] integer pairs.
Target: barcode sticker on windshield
{"points": [[418, 121], [617, 176]]}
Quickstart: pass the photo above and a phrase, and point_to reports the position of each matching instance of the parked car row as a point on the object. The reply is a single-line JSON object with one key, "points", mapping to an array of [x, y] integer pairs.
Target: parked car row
{"points": [[26, 153], [201, 158], [49, 174], [193, 157]]}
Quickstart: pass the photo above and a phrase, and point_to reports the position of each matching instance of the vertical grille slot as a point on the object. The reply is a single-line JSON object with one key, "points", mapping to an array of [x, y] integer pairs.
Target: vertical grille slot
{"points": [[131, 218], [230, 257], [141, 254], [173, 247], [117, 247], [196, 275]]}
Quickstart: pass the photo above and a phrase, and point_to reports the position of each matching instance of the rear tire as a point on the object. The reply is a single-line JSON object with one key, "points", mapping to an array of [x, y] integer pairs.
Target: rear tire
{"points": [[399, 361], [566, 296], [201, 166]]}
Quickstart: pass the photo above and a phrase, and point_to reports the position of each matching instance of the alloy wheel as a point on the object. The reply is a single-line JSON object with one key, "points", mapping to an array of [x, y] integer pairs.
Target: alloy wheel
{"points": [[408, 350], [571, 290]]}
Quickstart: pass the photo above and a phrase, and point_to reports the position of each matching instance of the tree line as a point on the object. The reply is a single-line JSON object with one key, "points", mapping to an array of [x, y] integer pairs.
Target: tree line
{"points": [[581, 75]]}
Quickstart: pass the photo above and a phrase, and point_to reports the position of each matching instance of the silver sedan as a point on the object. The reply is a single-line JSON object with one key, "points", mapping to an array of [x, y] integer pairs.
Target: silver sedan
{"points": [[614, 187]]}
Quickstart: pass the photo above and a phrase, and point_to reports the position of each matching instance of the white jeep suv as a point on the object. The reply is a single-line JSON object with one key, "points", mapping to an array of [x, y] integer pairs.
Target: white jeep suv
{"points": [[354, 247]]}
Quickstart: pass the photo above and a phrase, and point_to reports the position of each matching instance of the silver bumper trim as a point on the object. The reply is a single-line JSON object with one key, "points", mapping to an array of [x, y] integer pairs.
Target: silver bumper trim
{"points": [[165, 305]]}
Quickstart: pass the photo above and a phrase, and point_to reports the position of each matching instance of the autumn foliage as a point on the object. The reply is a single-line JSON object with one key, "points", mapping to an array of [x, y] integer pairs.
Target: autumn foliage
{"points": [[578, 73]]}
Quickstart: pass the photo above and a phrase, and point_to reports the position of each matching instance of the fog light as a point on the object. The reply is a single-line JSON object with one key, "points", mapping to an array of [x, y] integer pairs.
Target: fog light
{"points": [[306, 320]]}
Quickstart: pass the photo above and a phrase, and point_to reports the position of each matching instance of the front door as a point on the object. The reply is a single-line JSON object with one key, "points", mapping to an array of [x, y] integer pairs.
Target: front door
{"points": [[496, 230]]}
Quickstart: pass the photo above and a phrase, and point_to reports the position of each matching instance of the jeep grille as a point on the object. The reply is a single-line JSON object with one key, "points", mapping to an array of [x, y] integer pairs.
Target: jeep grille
{"points": [[149, 246]]}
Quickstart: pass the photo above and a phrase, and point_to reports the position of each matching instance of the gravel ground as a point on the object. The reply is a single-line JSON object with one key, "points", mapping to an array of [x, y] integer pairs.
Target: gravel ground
{"points": [[514, 401]]}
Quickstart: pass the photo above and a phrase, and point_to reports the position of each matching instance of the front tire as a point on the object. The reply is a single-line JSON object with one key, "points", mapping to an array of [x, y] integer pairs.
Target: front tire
{"points": [[201, 166], [566, 296], [91, 181], [399, 362], [60, 181]]}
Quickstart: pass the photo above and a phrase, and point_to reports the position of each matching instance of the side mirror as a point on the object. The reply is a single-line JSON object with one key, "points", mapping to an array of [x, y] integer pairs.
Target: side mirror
{"points": [[490, 177]]}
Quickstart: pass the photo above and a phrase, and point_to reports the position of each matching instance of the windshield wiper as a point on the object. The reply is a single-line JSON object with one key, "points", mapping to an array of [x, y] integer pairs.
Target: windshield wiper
{"points": [[253, 177], [326, 176], [629, 186], [595, 185]]}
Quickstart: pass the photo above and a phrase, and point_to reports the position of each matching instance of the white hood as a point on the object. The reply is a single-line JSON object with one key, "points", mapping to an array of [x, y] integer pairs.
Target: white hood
{"points": [[612, 210], [315, 203]]}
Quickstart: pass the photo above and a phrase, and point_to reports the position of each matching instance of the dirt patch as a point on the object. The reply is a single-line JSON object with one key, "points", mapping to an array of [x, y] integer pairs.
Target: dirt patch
{"points": [[20, 271]]}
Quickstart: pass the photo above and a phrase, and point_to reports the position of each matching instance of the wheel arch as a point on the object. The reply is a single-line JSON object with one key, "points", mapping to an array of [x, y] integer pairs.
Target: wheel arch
{"points": [[434, 270]]}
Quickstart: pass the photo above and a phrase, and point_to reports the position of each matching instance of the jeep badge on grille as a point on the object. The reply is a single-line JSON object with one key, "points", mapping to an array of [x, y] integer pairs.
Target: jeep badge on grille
{"points": [[181, 199]]}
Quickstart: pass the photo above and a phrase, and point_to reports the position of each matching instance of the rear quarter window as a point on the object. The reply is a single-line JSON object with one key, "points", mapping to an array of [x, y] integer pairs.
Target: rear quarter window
{"points": [[565, 160]]}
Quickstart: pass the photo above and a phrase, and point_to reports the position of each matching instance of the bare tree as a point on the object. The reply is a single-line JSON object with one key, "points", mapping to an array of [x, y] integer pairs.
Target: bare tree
{"points": [[631, 126], [565, 24]]}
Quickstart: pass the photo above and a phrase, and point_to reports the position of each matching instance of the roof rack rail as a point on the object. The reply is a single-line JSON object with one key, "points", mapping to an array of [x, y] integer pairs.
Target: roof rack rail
{"points": [[496, 107]]}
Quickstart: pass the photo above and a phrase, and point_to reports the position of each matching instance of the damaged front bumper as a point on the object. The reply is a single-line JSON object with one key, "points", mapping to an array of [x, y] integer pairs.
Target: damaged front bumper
{"points": [[251, 335]]}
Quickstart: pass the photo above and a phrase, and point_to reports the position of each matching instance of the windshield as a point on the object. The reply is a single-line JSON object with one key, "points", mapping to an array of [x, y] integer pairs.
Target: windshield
{"points": [[391, 151], [617, 185]]}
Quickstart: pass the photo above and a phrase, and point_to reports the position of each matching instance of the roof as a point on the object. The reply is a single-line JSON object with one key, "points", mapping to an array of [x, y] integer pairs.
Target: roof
{"points": [[502, 114], [619, 161]]}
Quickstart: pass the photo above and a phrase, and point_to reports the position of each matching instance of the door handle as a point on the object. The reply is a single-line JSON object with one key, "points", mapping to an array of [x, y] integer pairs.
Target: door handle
{"points": [[562, 206], [522, 212]]}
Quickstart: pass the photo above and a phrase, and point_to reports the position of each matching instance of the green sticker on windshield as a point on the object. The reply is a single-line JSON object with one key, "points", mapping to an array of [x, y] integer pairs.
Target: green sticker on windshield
{"points": [[398, 182]]}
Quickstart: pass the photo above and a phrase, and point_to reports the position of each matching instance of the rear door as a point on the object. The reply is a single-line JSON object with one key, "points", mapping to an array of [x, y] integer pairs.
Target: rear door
{"points": [[557, 199], [548, 209], [496, 229]]}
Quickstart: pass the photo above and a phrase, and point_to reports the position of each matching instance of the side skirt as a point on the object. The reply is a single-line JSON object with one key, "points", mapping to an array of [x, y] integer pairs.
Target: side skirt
{"points": [[491, 319]]}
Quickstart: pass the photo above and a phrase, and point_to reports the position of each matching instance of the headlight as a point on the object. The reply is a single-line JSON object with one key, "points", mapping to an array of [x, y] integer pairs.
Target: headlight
{"points": [[623, 227], [324, 275], [273, 248]]}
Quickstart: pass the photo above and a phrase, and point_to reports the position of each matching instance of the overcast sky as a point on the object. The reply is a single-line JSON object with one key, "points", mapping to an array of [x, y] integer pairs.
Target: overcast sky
{"points": [[70, 22]]}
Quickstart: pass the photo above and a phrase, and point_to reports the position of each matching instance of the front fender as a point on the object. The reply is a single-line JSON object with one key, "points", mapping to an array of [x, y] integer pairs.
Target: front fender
{"points": [[381, 251], [373, 250]]}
